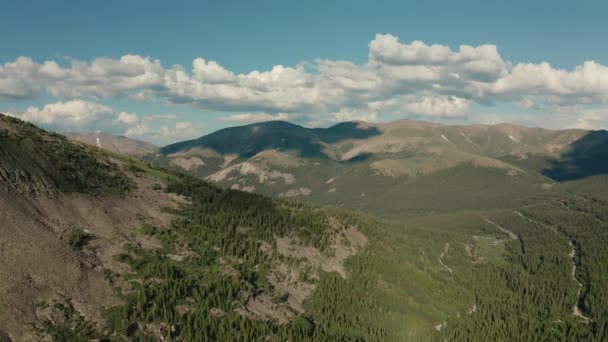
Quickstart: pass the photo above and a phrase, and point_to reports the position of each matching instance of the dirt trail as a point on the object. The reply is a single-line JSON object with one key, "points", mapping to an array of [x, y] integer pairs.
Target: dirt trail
{"points": [[501, 228], [446, 249], [576, 309]]}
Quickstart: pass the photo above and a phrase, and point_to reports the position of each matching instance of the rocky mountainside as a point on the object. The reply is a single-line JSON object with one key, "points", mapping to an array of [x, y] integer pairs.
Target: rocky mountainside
{"points": [[55, 197], [367, 166], [100, 246], [87, 238]]}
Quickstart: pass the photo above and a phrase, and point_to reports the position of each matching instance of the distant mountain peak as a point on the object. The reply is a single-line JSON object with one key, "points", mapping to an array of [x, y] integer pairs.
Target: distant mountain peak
{"points": [[113, 143]]}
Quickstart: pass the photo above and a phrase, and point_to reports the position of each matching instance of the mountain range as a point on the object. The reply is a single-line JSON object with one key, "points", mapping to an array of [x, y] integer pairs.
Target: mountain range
{"points": [[117, 144], [457, 232], [390, 168]]}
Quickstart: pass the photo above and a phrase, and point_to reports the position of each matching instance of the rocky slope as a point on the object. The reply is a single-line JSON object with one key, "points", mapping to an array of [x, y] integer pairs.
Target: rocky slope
{"points": [[84, 232], [52, 192]]}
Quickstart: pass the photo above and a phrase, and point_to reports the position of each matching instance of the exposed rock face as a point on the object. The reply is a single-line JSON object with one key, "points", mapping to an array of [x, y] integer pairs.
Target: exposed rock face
{"points": [[294, 282], [37, 264]]}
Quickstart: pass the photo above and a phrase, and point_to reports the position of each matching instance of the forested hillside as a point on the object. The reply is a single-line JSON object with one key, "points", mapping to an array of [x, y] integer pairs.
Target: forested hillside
{"points": [[102, 246], [227, 265]]}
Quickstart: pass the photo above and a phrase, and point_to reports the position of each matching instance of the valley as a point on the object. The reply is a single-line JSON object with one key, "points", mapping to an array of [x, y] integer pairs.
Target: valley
{"points": [[286, 171], [427, 242]]}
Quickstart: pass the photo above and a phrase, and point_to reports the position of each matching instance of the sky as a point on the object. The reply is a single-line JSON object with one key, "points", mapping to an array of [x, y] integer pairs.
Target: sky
{"points": [[165, 71]]}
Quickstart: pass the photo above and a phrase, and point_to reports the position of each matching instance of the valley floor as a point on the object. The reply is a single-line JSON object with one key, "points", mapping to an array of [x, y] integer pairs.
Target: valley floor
{"points": [[533, 272]]}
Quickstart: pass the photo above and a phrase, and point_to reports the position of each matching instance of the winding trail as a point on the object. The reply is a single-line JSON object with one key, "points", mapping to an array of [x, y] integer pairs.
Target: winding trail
{"points": [[446, 249], [576, 309], [501, 228]]}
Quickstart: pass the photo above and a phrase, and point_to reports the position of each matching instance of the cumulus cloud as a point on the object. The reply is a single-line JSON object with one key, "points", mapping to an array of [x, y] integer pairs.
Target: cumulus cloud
{"points": [[69, 113], [138, 130], [443, 106], [210, 72], [102, 78], [408, 79], [127, 118], [591, 119], [84, 116], [587, 83], [255, 117], [165, 133]]}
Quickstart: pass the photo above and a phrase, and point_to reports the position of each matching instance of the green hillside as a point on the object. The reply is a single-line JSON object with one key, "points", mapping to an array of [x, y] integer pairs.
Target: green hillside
{"points": [[39, 161], [452, 276], [477, 250]]}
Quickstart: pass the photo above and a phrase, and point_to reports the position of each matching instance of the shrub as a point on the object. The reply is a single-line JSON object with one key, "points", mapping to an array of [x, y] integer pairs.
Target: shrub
{"points": [[77, 238]]}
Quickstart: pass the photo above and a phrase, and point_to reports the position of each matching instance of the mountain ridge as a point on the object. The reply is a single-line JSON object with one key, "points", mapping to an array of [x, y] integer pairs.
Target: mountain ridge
{"points": [[83, 253], [114, 143], [172, 257], [326, 165]]}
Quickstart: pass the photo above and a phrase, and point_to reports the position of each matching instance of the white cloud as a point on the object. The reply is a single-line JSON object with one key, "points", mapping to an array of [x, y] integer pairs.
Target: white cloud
{"points": [[403, 78], [592, 119], [138, 130], [587, 83], [442, 106], [127, 118], [83, 116], [164, 134], [362, 114], [210, 72], [255, 117], [101, 78], [75, 112]]}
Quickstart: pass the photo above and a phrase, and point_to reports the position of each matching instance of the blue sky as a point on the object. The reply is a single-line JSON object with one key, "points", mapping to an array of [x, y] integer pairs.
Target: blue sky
{"points": [[307, 39]]}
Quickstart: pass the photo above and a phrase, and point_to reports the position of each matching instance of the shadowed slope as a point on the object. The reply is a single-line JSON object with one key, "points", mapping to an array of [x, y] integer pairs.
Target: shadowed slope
{"points": [[586, 157], [247, 141]]}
